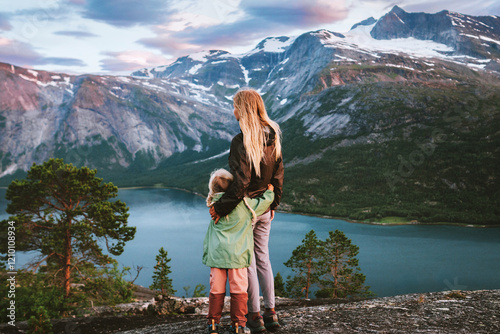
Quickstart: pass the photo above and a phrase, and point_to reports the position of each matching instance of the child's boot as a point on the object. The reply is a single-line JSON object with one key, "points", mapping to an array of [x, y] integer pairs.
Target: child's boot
{"points": [[215, 306], [213, 328], [236, 328], [239, 309]]}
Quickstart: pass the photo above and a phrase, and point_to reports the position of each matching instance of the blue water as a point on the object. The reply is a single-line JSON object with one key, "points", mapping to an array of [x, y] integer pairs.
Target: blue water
{"points": [[395, 259]]}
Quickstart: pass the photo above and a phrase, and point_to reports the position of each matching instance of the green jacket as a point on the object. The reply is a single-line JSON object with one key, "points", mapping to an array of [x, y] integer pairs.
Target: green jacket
{"points": [[229, 243]]}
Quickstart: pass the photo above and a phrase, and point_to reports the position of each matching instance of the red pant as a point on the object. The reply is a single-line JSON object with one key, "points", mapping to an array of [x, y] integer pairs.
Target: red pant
{"points": [[238, 285]]}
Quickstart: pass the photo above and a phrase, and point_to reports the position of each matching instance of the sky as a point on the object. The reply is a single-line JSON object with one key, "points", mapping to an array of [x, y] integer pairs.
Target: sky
{"points": [[117, 37]]}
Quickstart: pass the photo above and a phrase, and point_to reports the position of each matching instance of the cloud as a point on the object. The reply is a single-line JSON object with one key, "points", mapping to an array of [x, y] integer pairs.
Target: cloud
{"points": [[128, 61], [23, 54], [4, 22], [299, 14], [256, 20], [127, 13], [77, 34], [61, 61], [18, 53]]}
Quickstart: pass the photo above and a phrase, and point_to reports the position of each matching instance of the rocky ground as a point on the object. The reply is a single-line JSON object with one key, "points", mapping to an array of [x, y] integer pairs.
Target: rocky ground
{"points": [[438, 312]]}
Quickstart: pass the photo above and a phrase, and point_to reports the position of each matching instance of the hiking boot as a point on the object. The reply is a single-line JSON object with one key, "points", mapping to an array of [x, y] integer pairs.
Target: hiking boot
{"points": [[213, 328], [256, 325], [271, 321], [240, 330]]}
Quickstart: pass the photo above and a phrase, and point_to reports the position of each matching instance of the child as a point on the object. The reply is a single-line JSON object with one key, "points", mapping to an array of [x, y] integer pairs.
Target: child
{"points": [[228, 250]]}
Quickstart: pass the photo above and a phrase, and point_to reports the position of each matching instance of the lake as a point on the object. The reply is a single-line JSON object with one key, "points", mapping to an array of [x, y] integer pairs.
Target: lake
{"points": [[395, 259]]}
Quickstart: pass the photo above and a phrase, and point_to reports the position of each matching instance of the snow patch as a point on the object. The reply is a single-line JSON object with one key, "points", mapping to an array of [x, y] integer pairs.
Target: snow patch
{"points": [[344, 101], [245, 74], [33, 73], [325, 125], [199, 56], [401, 66], [193, 70], [487, 39], [359, 39], [399, 19], [275, 45], [213, 157], [10, 170], [218, 62]]}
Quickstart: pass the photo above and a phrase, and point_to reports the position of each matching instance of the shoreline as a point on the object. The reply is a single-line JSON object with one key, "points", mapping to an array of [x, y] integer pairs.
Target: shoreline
{"points": [[332, 217], [416, 223]]}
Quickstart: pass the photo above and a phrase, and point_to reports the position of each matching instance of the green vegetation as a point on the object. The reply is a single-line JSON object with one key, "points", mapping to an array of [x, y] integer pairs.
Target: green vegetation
{"points": [[421, 153], [64, 214], [342, 277], [305, 263], [199, 291], [40, 323], [161, 281], [279, 286], [330, 266]]}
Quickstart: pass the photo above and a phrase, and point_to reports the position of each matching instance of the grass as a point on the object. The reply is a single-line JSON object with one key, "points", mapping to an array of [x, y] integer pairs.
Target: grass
{"points": [[394, 220]]}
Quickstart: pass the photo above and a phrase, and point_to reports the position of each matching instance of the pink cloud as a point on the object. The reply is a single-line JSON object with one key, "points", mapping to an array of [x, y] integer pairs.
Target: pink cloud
{"points": [[127, 61], [18, 53], [261, 19]]}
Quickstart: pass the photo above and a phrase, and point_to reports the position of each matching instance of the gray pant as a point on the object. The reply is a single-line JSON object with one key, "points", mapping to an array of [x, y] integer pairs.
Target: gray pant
{"points": [[260, 270]]}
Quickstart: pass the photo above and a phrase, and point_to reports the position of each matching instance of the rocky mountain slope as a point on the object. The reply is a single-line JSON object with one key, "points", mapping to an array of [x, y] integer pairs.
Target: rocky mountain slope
{"points": [[435, 312], [104, 121], [397, 117]]}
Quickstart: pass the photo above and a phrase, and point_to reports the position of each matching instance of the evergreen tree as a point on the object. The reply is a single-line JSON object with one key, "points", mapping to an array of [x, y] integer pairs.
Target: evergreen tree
{"points": [[304, 262], [199, 291], [63, 212], [279, 286], [40, 324], [342, 276], [161, 281]]}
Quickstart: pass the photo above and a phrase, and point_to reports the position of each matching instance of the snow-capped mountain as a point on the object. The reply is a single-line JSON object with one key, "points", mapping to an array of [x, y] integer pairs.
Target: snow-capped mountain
{"points": [[364, 110], [104, 121], [448, 36]]}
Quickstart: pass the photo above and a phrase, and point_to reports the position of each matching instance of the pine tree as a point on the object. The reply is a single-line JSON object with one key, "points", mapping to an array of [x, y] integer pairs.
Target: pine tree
{"points": [[199, 291], [40, 324], [304, 263], [279, 286], [63, 212], [342, 276], [161, 281]]}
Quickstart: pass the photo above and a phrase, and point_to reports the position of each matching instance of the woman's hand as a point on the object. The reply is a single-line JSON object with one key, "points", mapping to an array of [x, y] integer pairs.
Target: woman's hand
{"points": [[214, 215], [270, 187], [272, 215]]}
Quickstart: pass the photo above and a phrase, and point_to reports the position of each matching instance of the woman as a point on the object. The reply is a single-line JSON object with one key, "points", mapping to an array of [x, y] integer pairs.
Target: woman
{"points": [[255, 161]]}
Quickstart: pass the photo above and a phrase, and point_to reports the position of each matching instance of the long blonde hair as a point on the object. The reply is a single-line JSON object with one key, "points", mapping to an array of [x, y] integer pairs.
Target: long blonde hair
{"points": [[220, 179], [253, 120]]}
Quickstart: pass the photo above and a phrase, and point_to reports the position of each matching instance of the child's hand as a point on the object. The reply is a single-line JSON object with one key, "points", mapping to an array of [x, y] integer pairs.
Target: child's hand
{"points": [[270, 187], [214, 215]]}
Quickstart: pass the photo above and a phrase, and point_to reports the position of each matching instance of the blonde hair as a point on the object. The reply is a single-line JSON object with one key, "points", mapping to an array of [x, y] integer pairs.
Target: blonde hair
{"points": [[253, 120], [220, 179]]}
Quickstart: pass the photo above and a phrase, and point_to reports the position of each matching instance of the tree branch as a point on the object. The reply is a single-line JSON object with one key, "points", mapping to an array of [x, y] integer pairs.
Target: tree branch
{"points": [[36, 265]]}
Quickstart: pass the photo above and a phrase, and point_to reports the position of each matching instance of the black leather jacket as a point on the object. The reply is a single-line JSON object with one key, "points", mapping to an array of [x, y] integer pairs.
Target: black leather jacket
{"points": [[245, 182]]}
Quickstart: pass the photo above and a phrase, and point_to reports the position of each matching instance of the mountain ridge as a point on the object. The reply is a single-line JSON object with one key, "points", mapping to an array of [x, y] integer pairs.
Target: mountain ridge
{"points": [[353, 108]]}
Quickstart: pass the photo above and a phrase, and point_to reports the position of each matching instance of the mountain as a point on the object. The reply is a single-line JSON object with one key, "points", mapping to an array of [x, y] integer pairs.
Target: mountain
{"points": [[105, 121], [466, 35], [396, 117]]}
